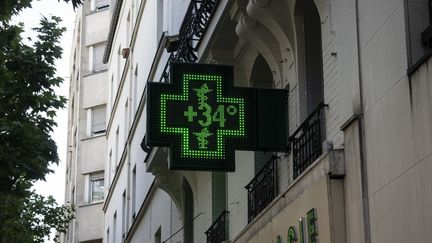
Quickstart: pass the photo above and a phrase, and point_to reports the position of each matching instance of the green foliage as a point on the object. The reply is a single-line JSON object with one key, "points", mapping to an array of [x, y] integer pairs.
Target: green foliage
{"points": [[30, 219], [28, 105]]}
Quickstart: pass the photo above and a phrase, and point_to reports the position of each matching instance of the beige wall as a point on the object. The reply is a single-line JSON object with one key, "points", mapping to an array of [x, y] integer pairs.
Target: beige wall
{"points": [[324, 197]]}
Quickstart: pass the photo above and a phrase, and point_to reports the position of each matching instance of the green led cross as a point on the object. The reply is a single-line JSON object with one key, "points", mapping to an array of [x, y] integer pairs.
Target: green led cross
{"points": [[190, 114], [210, 120]]}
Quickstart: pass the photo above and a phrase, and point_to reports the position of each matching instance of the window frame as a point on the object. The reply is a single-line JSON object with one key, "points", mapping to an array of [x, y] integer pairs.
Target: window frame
{"points": [[100, 66], [91, 131], [94, 177]]}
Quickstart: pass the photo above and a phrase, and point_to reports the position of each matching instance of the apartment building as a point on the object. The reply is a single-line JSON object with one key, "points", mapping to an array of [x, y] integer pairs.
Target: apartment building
{"points": [[88, 94], [358, 147]]}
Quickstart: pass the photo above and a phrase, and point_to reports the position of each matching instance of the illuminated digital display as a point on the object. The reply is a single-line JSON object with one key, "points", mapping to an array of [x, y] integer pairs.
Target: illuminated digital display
{"points": [[201, 117]]}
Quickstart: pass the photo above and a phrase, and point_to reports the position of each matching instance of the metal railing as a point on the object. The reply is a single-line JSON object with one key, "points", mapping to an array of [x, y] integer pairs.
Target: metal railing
{"points": [[191, 31], [262, 189], [217, 232], [307, 140]]}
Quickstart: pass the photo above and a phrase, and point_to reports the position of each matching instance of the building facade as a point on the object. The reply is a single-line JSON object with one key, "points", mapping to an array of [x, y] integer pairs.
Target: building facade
{"points": [[88, 94], [355, 168]]}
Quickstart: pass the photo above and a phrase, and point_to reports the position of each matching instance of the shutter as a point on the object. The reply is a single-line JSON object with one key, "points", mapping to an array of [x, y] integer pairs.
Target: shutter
{"points": [[98, 120], [218, 194]]}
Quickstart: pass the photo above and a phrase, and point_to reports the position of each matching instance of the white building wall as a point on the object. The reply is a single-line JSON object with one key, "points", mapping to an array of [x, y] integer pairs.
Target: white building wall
{"points": [[237, 194], [85, 151]]}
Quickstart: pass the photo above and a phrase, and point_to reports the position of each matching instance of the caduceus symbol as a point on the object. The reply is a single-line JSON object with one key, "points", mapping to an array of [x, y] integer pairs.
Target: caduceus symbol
{"points": [[202, 138], [202, 94]]}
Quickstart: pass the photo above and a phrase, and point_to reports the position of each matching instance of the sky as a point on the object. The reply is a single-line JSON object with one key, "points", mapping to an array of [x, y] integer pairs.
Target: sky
{"points": [[54, 184]]}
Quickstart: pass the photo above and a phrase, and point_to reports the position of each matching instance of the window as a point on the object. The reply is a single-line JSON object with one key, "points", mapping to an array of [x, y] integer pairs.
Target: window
{"points": [[218, 194], [96, 192], [160, 19], [119, 70], [311, 82], [111, 97], [99, 5], [97, 52], [128, 29], [124, 225], [133, 194], [98, 120], [111, 167], [126, 120], [135, 89], [419, 30], [114, 233], [158, 237], [117, 145]]}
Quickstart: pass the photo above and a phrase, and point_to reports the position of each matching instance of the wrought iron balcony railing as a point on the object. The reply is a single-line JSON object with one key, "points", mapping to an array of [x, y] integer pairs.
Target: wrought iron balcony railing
{"points": [[307, 140], [262, 189], [217, 232], [194, 25]]}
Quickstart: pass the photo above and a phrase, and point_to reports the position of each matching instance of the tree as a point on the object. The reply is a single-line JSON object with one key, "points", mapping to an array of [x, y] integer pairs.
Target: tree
{"points": [[34, 219], [28, 106]]}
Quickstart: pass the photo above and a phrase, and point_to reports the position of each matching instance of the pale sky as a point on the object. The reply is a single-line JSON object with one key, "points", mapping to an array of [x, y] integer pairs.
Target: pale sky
{"points": [[54, 184]]}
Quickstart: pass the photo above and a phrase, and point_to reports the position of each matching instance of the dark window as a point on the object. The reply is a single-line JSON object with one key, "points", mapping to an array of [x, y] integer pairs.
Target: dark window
{"points": [[419, 31], [308, 29]]}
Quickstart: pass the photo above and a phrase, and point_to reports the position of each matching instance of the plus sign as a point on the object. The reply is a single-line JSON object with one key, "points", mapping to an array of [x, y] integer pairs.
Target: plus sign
{"points": [[190, 113]]}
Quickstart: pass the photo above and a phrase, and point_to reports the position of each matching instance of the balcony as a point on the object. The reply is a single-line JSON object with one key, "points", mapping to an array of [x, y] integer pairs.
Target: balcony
{"points": [[262, 189], [192, 29], [218, 230], [306, 141]]}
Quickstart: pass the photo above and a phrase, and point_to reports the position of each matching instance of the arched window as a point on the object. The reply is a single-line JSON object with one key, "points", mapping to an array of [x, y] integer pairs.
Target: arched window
{"points": [[188, 212], [309, 54], [261, 76]]}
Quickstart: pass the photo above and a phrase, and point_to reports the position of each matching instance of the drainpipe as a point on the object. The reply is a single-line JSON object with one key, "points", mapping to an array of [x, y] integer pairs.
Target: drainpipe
{"points": [[362, 142]]}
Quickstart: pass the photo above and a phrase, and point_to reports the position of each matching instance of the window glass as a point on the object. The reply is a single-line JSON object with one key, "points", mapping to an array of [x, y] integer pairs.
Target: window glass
{"points": [[98, 120], [96, 187], [419, 31], [98, 52]]}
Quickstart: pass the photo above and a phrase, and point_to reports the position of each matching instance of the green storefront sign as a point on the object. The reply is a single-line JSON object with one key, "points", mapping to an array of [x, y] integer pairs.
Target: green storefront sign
{"points": [[299, 235]]}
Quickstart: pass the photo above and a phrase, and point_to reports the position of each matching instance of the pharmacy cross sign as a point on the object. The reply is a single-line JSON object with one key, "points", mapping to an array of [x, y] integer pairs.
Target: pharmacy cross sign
{"points": [[206, 120], [201, 117]]}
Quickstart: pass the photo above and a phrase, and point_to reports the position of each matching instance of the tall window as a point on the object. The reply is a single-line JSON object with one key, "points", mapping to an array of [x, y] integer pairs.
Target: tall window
{"points": [[135, 90], [128, 29], [419, 30], [97, 52], [98, 120], [124, 226], [126, 120], [114, 233], [96, 192], [110, 159], [218, 194], [160, 19], [133, 194], [309, 52], [117, 145], [158, 237], [261, 77]]}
